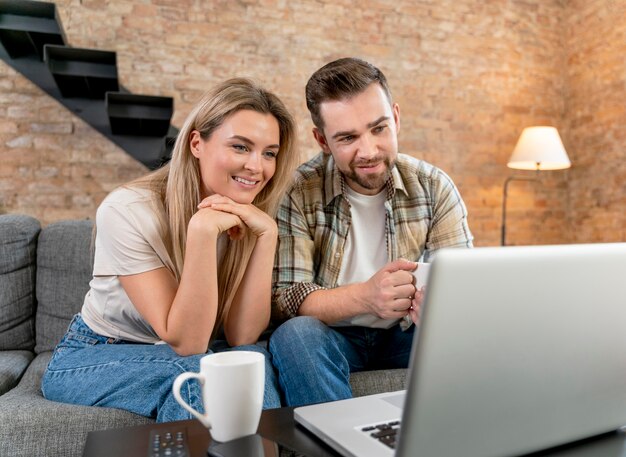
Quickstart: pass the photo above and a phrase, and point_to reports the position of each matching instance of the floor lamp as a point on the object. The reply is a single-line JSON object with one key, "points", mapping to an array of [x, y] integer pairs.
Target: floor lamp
{"points": [[539, 149]]}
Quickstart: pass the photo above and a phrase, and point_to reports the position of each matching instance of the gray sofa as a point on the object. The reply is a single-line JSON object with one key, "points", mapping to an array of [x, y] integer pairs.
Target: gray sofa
{"points": [[44, 275]]}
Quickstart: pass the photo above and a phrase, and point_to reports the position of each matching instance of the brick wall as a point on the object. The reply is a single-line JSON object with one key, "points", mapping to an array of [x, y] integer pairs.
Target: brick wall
{"points": [[469, 76], [52, 165], [596, 121]]}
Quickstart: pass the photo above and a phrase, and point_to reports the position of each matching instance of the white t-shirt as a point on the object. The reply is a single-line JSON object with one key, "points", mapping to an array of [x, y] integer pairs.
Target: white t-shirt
{"points": [[365, 250], [128, 241]]}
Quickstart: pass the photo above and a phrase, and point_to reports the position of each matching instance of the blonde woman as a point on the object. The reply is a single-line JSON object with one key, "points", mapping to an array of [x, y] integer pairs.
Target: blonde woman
{"points": [[183, 256]]}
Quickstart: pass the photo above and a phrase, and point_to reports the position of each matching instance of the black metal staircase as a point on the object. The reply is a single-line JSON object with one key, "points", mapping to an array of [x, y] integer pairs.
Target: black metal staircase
{"points": [[85, 81]]}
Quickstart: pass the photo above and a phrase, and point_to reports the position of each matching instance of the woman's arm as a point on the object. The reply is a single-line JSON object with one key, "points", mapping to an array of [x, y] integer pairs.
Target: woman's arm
{"points": [[249, 313], [183, 315]]}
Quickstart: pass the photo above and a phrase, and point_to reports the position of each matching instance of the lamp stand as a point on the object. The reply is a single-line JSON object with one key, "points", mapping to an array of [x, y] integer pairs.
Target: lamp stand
{"points": [[504, 195]]}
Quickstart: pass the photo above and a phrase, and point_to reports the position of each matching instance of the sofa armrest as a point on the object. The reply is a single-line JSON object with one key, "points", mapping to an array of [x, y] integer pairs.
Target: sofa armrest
{"points": [[18, 259]]}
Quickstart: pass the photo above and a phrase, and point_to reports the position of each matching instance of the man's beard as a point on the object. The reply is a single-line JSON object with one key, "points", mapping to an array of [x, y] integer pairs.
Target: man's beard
{"points": [[371, 182]]}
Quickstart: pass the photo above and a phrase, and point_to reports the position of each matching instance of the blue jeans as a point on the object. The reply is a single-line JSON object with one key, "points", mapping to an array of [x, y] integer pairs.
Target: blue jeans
{"points": [[90, 369], [314, 361]]}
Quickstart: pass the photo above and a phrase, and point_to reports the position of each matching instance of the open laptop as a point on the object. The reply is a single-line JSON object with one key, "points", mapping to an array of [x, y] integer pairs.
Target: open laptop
{"points": [[520, 349]]}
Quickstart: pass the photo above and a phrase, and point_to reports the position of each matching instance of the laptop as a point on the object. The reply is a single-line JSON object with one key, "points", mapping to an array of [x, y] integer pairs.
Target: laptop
{"points": [[520, 349]]}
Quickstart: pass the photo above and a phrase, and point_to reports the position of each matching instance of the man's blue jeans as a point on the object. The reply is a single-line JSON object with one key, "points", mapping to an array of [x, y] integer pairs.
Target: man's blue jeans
{"points": [[314, 361], [90, 369]]}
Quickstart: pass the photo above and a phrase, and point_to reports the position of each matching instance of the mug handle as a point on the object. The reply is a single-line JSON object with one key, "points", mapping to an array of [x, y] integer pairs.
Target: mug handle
{"points": [[178, 382]]}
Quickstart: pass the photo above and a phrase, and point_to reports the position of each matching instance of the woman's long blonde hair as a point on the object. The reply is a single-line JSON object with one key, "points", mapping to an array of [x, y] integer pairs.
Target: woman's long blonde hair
{"points": [[177, 184]]}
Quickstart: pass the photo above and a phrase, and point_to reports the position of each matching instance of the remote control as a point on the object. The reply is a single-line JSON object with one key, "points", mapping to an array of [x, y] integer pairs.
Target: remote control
{"points": [[168, 443]]}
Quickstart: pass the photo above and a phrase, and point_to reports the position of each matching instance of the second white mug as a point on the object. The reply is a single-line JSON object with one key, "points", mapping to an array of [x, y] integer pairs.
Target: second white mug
{"points": [[421, 274]]}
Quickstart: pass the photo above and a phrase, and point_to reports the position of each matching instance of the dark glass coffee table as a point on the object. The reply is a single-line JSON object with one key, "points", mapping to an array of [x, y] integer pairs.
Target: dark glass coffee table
{"points": [[278, 425]]}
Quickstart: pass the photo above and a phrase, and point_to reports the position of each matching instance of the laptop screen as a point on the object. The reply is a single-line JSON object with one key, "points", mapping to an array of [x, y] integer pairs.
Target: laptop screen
{"points": [[519, 349]]}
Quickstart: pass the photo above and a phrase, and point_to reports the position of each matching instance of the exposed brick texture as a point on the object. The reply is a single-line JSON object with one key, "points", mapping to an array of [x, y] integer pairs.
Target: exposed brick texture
{"points": [[596, 119], [469, 75]]}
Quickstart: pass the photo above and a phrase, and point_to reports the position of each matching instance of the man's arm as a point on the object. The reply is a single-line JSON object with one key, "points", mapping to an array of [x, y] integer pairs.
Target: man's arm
{"points": [[296, 291], [388, 295]]}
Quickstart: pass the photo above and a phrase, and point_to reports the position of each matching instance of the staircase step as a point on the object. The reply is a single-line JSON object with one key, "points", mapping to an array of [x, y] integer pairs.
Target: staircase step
{"points": [[87, 73], [26, 26], [143, 115]]}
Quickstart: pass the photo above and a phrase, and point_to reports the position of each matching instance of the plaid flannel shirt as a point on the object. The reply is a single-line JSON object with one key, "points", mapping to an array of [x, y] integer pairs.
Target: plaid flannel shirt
{"points": [[424, 212]]}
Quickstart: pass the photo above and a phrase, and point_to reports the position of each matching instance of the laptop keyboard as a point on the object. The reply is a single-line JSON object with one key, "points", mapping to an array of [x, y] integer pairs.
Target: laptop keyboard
{"points": [[386, 433]]}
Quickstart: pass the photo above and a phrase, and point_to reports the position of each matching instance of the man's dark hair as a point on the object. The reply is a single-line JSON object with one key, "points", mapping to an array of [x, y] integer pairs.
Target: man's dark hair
{"points": [[338, 80]]}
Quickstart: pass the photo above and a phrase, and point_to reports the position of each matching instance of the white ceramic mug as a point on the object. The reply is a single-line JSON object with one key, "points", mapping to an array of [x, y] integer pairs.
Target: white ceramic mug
{"points": [[421, 274], [233, 384]]}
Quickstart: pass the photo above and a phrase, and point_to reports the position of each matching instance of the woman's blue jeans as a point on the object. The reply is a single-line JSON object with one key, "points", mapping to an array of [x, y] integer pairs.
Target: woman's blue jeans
{"points": [[90, 369], [314, 361]]}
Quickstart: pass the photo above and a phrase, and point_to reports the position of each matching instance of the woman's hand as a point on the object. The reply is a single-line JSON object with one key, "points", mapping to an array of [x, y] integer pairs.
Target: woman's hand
{"points": [[207, 218], [253, 218]]}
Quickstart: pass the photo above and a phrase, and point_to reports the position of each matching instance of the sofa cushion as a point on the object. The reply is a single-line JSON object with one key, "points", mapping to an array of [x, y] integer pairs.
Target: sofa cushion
{"points": [[30, 425], [377, 381], [18, 246], [64, 269], [12, 366]]}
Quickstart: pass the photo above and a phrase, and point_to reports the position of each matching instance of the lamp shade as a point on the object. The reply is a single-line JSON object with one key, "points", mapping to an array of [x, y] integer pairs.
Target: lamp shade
{"points": [[539, 148]]}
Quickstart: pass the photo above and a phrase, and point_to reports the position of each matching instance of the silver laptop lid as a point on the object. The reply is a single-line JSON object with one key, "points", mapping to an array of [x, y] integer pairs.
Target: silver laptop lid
{"points": [[520, 349]]}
